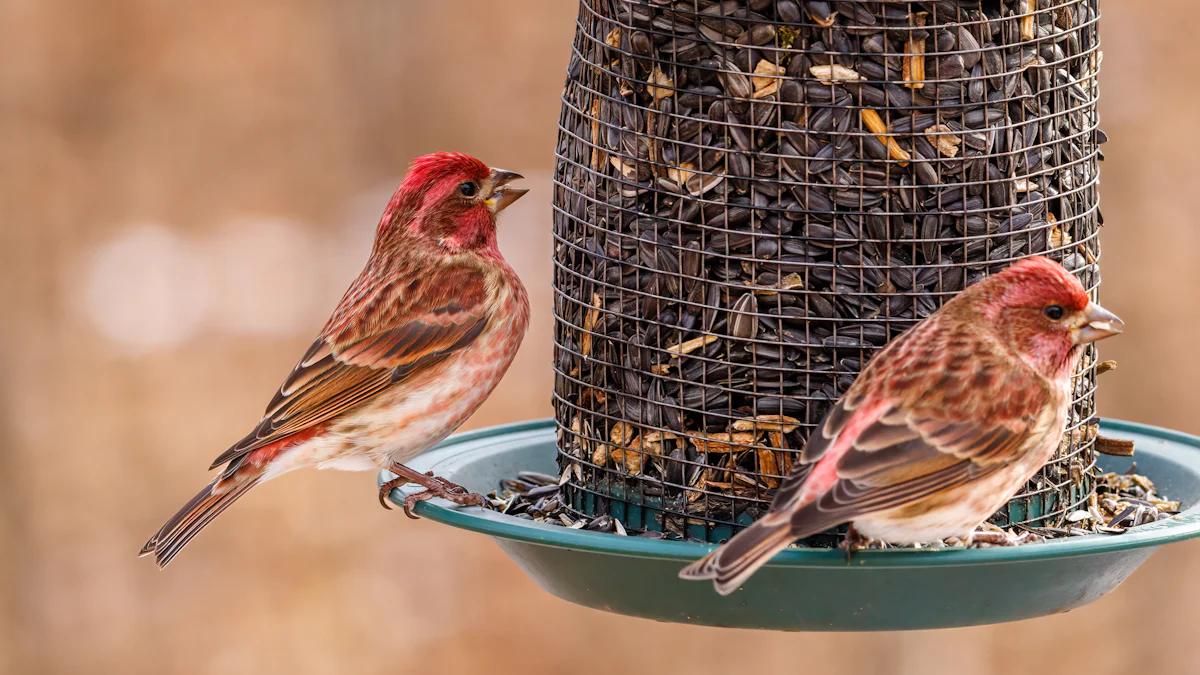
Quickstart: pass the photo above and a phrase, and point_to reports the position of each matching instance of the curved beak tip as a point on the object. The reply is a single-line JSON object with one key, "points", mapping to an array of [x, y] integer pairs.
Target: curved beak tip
{"points": [[1099, 323], [503, 177], [502, 195]]}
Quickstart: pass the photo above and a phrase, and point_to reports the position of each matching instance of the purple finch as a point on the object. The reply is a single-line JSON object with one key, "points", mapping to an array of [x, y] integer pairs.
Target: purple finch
{"points": [[942, 427], [416, 344]]}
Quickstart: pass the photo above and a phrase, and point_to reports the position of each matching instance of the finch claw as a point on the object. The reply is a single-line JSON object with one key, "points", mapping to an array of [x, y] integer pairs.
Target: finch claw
{"points": [[450, 492], [385, 491], [854, 543], [434, 487], [410, 502]]}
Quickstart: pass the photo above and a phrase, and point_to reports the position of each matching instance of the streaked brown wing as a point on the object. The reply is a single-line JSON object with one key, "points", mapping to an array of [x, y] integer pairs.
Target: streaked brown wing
{"points": [[380, 336], [901, 459]]}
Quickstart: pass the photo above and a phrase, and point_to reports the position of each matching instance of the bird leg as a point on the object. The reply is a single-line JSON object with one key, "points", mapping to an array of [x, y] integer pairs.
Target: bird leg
{"points": [[854, 542], [434, 487]]}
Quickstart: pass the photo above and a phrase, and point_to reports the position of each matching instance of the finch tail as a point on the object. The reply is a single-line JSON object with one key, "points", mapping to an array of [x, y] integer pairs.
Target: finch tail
{"points": [[194, 516], [732, 564]]}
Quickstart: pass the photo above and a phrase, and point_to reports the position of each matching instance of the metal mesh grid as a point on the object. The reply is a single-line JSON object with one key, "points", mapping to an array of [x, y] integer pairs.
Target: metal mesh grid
{"points": [[753, 196]]}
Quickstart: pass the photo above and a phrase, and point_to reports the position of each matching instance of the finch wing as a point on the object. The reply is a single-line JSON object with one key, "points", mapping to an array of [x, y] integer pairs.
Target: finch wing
{"points": [[902, 458], [876, 455], [380, 336]]}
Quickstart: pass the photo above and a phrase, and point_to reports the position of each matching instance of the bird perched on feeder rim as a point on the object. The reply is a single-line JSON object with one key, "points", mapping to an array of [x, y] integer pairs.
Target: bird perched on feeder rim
{"points": [[416, 344], [942, 427]]}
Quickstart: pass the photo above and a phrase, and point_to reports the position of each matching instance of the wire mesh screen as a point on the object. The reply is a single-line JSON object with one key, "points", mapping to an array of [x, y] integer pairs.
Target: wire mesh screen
{"points": [[753, 196]]}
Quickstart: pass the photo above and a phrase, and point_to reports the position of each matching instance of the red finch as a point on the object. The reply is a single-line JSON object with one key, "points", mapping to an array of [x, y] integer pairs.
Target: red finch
{"points": [[416, 344], [943, 426]]}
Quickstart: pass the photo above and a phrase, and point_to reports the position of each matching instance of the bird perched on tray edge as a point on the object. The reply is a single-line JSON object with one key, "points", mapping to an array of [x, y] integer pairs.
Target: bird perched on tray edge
{"points": [[942, 427], [416, 344]]}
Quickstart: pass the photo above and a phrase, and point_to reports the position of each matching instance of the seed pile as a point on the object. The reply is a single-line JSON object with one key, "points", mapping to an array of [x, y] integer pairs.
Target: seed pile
{"points": [[753, 196], [1121, 501], [538, 497]]}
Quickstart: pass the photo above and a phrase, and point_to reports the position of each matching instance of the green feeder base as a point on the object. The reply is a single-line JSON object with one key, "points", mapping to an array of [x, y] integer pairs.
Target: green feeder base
{"points": [[814, 589]]}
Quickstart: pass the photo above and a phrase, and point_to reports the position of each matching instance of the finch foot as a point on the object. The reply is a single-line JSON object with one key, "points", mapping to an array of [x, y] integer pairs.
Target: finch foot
{"points": [[447, 485], [854, 543], [434, 487], [458, 495]]}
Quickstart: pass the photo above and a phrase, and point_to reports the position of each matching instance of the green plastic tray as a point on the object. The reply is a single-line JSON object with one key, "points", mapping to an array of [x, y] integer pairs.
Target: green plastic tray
{"points": [[813, 589]]}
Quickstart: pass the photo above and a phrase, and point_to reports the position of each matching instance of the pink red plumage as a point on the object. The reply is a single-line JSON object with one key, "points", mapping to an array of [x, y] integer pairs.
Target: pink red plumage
{"points": [[942, 427], [416, 344]]}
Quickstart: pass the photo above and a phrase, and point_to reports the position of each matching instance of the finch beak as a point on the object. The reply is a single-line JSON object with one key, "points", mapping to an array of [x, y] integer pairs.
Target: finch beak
{"points": [[502, 195], [1098, 323]]}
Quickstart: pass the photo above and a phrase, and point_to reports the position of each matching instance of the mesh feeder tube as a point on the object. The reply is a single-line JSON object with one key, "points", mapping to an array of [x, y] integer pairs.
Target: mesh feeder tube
{"points": [[753, 196]]}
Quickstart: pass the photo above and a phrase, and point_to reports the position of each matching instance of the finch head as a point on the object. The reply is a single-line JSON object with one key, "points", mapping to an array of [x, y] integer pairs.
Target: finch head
{"points": [[448, 201], [1044, 313]]}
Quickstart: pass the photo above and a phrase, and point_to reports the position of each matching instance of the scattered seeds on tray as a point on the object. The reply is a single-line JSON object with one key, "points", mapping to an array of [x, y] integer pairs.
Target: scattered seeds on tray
{"points": [[1122, 501]]}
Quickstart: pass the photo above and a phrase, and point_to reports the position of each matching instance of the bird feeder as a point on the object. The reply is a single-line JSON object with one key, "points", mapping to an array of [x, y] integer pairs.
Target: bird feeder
{"points": [[753, 196], [812, 589]]}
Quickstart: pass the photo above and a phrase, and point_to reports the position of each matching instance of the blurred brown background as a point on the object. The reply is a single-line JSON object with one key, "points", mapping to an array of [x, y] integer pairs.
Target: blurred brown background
{"points": [[185, 191]]}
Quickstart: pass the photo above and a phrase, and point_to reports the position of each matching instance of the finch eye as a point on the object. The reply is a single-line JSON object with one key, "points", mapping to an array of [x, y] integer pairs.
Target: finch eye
{"points": [[467, 189], [1054, 312]]}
